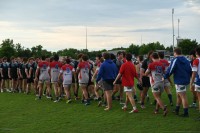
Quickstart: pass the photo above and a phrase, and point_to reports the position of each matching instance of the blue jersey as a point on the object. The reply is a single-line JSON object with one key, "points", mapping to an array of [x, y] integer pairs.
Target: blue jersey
{"points": [[181, 68]]}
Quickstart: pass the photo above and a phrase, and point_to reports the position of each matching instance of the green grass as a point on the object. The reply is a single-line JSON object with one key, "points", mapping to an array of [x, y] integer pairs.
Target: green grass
{"points": [[20, 113]]}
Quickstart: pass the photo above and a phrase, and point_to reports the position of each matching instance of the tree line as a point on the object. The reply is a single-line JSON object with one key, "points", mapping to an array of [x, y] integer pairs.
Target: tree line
{"points": [[8, 49]]}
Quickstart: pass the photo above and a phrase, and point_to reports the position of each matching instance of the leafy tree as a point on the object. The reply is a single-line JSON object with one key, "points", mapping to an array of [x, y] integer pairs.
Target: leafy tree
{"points": [[187, 45], [7, 48], [133, 49]]}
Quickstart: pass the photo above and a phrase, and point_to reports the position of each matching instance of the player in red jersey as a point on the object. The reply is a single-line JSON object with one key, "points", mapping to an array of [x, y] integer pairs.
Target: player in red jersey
{"points": [[83, 76], [55, 66], [128, 73], [67, 72], [156, 71], [44, 77]]}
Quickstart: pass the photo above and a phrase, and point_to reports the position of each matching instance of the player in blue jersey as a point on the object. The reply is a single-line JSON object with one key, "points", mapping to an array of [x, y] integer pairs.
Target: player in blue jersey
{"points": [[181, 69]]}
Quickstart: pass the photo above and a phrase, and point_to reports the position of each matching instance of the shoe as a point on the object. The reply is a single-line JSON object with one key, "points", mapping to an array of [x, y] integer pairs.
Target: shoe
{"points": [[165, 112], [156, 111], [1, 90], [142, 106], [56, 101], [194, 105], [133, 111], [87, 103], [38, 98], [8, 90], [69, 101], [100, 103], [124, 108], [184, 115], [107, 109], [48, 97], [171, 104]]}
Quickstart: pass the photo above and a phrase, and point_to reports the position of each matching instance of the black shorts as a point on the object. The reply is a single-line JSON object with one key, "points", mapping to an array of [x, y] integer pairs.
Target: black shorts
{"points": [[146, 82], [5, 77], [30, 80], [108, 85]]}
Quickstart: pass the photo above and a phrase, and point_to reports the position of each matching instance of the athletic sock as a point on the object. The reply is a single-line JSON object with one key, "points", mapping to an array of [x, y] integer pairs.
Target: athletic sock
{"points": [[177, 108], [134, 108], [185, 111], [170, 97]]}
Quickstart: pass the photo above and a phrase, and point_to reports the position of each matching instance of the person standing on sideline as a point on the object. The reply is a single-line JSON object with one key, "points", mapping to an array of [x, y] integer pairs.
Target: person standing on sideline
{"points": [[128, 73], [181, 69], [107, 72]]}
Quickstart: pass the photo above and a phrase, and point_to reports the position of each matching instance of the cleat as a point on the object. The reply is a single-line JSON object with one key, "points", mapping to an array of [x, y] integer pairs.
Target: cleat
{"points": [[133, 111], [124, 108], [142, 106], [100, 103], [87, 103], [171, 104], [69, 101], [193, 105], [156, 111], [56, 101]]}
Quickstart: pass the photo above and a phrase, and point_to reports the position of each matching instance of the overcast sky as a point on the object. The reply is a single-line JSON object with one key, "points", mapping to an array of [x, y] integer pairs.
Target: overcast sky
{"points": [[60, 24]]}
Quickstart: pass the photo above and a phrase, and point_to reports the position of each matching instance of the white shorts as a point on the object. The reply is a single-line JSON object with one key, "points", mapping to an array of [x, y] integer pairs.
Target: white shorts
{"points": [[197, 88], [158, 87], [128, 89], [181, 88]]}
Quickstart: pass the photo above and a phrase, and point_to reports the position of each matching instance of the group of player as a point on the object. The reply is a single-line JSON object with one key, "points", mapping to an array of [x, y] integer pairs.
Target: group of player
{"points": [[110, 74]]}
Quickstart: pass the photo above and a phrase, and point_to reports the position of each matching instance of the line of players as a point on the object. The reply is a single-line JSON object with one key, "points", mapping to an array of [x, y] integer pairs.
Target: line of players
{"points": [[21, 73]]}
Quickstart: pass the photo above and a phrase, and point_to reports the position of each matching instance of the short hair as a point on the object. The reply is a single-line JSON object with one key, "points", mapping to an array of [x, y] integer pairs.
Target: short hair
{"points": [[112, 56], [198, 50], [161, 55], [149, 54], [155, 55], [124, 53], [101, 59], [31, 58], [85, 57], [106, 56], [80, 55], [56, 57], [129, 56], [99, 55], [178, 51], [68, 60], [193, 52], [141, 57], [119, 52], [43, 57], [4, 58]]}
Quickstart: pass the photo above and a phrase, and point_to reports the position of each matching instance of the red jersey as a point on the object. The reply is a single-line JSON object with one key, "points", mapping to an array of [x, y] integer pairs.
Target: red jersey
{"points": [[157, 70], [83, 75], [128, 72], [165, 63]]}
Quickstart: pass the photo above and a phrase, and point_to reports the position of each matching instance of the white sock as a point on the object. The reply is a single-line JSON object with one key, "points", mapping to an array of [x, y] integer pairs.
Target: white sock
{"points": [[134, 108]]}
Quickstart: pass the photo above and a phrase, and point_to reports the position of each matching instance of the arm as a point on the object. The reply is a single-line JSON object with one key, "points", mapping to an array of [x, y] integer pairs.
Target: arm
{"points": [[170, 69], [118, 76], [100, 74], [193, 78]]}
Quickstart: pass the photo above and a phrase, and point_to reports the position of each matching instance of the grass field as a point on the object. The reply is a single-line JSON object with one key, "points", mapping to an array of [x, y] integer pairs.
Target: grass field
{"points": [[20, 113]]}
